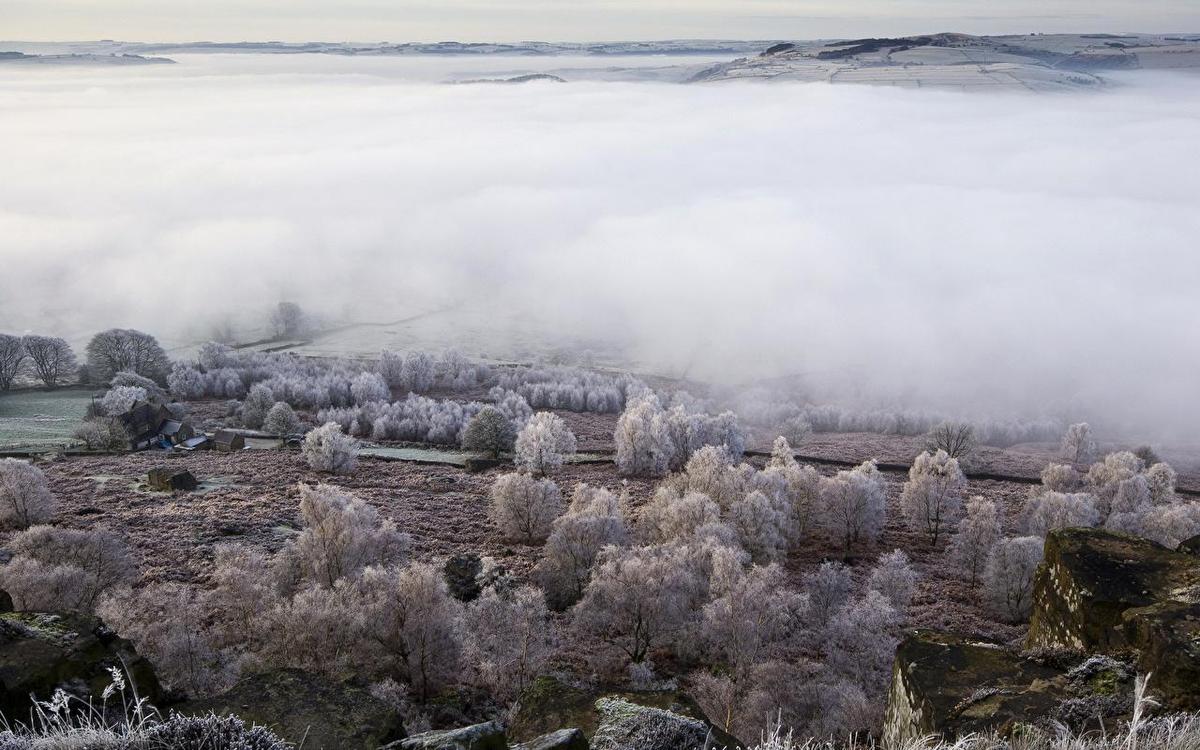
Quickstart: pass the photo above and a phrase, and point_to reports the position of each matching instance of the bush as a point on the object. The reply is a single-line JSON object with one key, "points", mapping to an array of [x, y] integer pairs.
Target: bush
{"points": [[978, 532], [894, 577], [25, 497], [592, 522], [543, 443], [327, 449], [523, 508], [281, 420], [259, 401], [1008, 578], [102, 434], [489, 432], [59, 570], [1048, 511], [932, 496]]}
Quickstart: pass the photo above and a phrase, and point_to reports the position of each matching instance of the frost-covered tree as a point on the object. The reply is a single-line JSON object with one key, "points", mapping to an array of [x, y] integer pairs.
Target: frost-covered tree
{"points": [[288, 319], [1161, 478], [854, 506], [691, 431], [796, 430], [671, 516], [121, 399], [130, 379], [12, 359], [711, 472], [416, 374], [523, 508], [101, 434], [367, 387], [489, 432], [1008, 577], [1104, 478], [543, 444], [59, 570], [894, 577], [860, 642], [761, 525], [828, 588], [510, 640], [258, 402], [1078, 444], [1061, 478], [956, 439], [592, 522], [749, 623], [1047, 511], [51, 358], [640, 597], [25, 497], [798, 486], [1171, 523], [978, 532], [932, 496], [118, 349], [281, 420], [342, 535], [327, 449], [643, 439]]}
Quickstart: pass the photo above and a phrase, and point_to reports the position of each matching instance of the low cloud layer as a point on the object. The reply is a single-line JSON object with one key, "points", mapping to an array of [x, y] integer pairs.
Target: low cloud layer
{"points": [[1000, 253]]}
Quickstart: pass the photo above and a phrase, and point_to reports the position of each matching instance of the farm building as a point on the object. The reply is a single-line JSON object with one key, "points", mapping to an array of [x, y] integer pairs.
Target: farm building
{"points": [[228, 440], [150, 425]]}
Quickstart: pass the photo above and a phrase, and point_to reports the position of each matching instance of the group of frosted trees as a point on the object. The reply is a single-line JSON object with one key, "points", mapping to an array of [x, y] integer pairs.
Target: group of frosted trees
{"points": [[48, 359], [652, 441]]}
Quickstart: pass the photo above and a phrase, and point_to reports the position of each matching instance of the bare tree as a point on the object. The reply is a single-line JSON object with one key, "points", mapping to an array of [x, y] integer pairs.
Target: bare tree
{"points": [[751, 621], [52, 358], [510, 640], [957, 439], [25, 497], [932, 496], [12, 359], [894, 577], [592, 522], [854, 505], [117, 349], [56, 570]]}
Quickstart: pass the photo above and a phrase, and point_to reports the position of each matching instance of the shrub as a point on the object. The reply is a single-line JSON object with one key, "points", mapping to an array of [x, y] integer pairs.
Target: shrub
{"points": [[511, 638], [52, 359], [1061, 478], [978, 532], [670, 516], [1056, 510], [57, 570], [101, 434], [710, 471], [116, 350], [1161, 478], [543, 443], [369, 386], [281, 420], [25, 497], [932, 496], [1104, 478], [956, 439], [643, 439], [592, 522], [860, 642], [761, 525], [523, 508], [854, 505], [894, 577], [1008, 577], [321, 630], [327, 449], [342, 535], [489, 432]]}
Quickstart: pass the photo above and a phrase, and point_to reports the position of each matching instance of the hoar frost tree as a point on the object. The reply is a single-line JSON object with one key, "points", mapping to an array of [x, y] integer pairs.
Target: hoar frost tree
{"points": [[523, 507], [894, 577], [978, 532], [512, 639], [1047, 511], [60, 570], [1008, 577], [932, 497], [828, 588], [543, 444], [51, 358], [1077, 443], [643, 439], [328, 449], [489, 432], [281, 420], [854, 506], [592, 522], [25, 498], [258, 402]]}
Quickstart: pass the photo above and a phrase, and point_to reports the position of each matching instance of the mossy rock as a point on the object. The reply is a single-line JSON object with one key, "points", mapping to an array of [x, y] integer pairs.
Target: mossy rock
{"points": [[42, 652], [302, 707], [629, 726], [486, 736], [548, 704], [1091, 577], [1166, 637]]}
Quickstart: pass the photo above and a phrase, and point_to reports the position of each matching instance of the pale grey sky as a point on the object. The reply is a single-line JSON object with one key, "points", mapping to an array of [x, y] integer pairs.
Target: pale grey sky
{"points": [[571, 20]]}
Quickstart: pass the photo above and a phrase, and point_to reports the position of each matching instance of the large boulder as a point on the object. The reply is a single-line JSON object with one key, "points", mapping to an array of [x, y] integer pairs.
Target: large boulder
{"points": [[302, 707], [1090, 578], [1166, 637], [41, 652], [486, 736], [563, 739], [629, 726], [549, 704]]}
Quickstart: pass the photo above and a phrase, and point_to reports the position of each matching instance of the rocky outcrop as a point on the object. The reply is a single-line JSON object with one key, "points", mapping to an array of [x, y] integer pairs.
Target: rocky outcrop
{"points": [[628, 726], [302, 707], [563, 739], [40, 653], [1091, 579], [1190, 546], [6, 602], [487, 736]]}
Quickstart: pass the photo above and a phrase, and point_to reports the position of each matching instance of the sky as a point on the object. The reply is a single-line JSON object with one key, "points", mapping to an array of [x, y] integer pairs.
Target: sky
{"points": [[572, 20], [1010, 253]]}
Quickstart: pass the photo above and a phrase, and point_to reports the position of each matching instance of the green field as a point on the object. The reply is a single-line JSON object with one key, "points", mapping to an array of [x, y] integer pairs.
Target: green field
{"points": [[41, 419]]}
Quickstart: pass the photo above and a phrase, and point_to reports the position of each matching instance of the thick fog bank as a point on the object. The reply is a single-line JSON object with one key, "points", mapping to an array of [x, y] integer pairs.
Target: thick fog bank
{"points": [[999, 253]]}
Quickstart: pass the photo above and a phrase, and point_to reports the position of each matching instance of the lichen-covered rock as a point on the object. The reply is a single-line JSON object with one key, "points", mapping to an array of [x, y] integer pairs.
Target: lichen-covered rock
{"points": [[1166, 637], [486, 736], [628, 726], [951, 685], [1090, 578], [462, 576], [40, 653], [299, 706], [563, 739], [549, 704]]}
